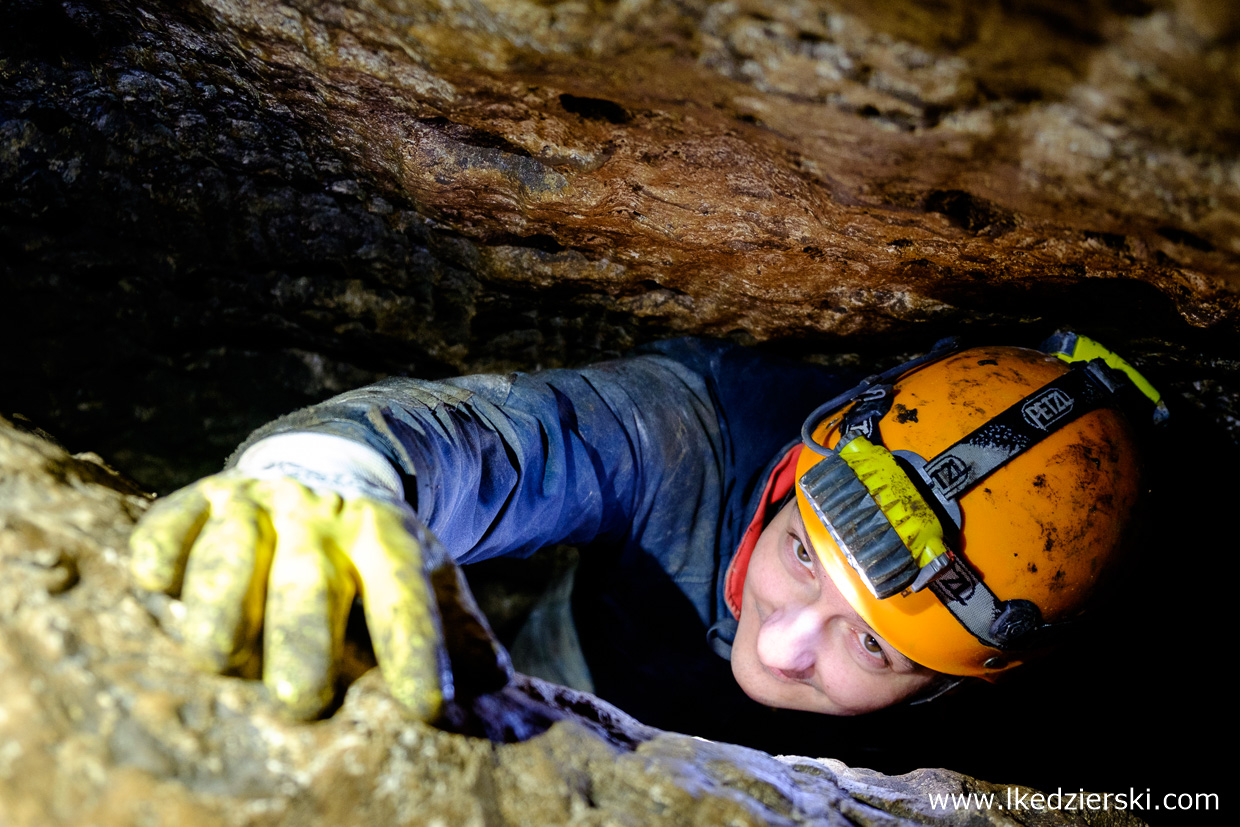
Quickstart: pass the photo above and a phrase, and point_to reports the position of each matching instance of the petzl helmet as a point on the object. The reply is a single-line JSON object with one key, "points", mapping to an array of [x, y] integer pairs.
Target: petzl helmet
{"points": [[968, 504]]}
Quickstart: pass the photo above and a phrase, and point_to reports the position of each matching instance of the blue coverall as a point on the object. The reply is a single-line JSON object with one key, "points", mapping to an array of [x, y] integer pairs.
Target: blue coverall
{"points": [[651, 464]]}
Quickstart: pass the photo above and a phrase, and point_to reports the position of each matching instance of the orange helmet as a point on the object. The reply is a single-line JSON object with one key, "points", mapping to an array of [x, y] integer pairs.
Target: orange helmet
{"points": [[970, 509]]}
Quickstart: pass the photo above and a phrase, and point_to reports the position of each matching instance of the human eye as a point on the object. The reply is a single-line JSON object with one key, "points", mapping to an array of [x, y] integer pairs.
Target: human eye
{"points": [[871, 648], [803, 555]]}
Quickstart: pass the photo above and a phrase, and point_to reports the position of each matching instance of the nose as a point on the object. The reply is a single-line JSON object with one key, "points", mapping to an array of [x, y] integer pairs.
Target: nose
{"points": [[789, 640]]}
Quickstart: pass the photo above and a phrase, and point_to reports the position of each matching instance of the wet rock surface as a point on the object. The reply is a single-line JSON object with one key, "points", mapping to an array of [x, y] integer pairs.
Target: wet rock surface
{"points": [[103, 722]]}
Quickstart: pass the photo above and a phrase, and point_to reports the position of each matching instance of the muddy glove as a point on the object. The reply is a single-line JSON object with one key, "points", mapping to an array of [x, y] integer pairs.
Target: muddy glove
{"points": [[282, 543]]}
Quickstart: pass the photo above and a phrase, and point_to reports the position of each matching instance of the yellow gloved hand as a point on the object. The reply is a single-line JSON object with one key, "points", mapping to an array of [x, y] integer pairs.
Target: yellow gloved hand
{"points": [[270, 554]]}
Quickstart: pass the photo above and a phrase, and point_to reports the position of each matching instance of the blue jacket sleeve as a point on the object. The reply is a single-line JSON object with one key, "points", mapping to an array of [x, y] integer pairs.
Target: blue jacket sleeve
{"points": [[640, 451]]}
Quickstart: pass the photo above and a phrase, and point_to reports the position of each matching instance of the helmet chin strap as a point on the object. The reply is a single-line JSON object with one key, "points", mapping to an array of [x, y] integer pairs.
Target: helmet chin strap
{"points": [[938, 689]]}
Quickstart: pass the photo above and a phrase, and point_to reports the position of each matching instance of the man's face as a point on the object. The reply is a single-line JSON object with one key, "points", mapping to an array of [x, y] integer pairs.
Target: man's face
{"points": [[800, 645]]}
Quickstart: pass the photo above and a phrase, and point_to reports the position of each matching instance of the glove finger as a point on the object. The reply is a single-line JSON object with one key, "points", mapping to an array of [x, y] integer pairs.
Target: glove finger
{"points": [[162, 539], [310, 591], [225, 580], [400, 609]]}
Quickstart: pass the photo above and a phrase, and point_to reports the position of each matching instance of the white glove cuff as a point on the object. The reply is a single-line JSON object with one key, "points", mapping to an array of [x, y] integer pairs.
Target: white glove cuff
{"points": [[324, 462]]}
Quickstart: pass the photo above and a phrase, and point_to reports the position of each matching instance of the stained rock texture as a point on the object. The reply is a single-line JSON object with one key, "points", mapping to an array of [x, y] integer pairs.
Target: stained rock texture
{"points": [[102, 722], [212, 212]]}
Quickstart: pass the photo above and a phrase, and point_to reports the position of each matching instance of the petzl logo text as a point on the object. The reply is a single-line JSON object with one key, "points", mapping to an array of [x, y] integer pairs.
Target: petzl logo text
{"points": [[953, 585], [948, 472], [1046, 408]]}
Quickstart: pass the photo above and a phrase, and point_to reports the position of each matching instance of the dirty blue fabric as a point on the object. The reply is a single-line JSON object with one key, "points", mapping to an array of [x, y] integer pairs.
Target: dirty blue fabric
{"points": [[652, 464]]}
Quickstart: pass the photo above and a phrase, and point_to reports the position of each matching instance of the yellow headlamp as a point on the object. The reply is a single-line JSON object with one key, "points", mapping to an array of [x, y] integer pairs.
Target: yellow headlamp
{"points": [[877, 517]]}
